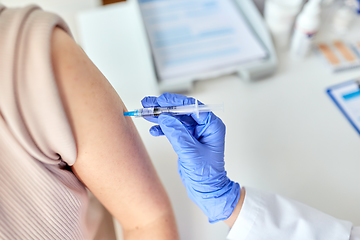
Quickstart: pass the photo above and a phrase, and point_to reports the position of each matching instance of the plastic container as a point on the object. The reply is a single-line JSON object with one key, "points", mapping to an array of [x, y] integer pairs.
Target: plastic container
{"points": [[280, 17], [342, 19], [306, 26], [354, 4]]}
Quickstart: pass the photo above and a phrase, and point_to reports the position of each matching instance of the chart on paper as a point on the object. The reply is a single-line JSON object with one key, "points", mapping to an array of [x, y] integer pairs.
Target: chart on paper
{"points": [[188, 37]]}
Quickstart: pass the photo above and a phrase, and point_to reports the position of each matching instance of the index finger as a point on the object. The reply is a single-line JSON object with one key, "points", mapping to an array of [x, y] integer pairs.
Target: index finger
{"points": [[150, 102]]}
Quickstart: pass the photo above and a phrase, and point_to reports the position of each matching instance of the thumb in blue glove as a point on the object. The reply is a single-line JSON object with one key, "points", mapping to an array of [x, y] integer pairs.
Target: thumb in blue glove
{"points": [[199, 143]]}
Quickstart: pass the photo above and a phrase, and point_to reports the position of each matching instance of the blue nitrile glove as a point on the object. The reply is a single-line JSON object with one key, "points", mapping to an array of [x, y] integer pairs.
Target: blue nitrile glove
{"points": [[199, 144]]}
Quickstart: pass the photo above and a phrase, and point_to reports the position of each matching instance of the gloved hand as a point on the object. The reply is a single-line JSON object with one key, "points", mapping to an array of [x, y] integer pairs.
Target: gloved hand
{"points": [[199, 143]]}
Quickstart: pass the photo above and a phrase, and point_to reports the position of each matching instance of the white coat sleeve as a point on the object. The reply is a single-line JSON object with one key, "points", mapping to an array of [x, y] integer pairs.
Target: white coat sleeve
{"points": [[267, 216]]}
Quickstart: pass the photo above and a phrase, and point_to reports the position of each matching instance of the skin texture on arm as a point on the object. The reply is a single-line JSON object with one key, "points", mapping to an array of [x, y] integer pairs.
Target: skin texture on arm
{"points": [[112, 160]]}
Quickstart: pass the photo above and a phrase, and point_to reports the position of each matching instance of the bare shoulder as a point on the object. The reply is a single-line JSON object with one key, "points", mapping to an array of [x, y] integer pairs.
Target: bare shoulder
{"points": [[82, 86], [112, 160]]}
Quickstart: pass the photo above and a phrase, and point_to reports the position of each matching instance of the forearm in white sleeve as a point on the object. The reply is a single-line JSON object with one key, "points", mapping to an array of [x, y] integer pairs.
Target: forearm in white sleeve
{"points": [[273, 217]]}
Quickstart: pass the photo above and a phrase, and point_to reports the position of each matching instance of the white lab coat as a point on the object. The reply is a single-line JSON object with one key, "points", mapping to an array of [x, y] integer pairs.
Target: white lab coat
{"points": [[267, 216]]}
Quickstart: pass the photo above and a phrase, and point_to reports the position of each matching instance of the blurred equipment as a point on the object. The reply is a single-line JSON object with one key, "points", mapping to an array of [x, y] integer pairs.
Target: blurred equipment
{"points": [[340, 55], [280, 17], [356, 47], [326, 3], [306, 26], [194, 40], [342, 19], [354, 4]]}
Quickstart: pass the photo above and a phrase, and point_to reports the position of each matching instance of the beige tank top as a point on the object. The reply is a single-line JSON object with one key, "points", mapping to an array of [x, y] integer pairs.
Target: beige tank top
{"points": [[40, 198]]}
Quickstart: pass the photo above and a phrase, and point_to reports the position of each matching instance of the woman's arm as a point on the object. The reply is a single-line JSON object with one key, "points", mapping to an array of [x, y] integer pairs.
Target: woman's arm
{"points": [[112, 160]]}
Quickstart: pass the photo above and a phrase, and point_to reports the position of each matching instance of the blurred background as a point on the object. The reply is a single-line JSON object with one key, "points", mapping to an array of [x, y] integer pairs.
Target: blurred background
{"points": [[284, 134]]}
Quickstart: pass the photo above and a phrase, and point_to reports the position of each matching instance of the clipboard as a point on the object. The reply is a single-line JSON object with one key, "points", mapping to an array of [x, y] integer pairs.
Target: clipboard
{"points": [[250, 68], [346, 96]]}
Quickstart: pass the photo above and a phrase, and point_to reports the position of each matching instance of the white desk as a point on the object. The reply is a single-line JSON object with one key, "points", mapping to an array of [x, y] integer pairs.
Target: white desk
{"points": [[284, 134]]}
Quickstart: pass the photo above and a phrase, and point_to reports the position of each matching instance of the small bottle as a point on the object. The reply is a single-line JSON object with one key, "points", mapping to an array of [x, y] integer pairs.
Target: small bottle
{"points": [[342, 19], [280, 17], [306, 26]]}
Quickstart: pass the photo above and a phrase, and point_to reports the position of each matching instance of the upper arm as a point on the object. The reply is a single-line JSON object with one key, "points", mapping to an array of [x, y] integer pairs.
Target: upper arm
{"points": [[112, 160]]}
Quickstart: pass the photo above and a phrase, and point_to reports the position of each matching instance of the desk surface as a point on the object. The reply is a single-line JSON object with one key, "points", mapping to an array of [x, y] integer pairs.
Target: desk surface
{"points": [[284, 134]]}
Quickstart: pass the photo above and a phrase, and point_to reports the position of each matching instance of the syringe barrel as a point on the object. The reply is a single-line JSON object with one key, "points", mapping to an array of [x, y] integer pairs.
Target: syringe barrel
{"points": [[177, 110], [154, 111]]}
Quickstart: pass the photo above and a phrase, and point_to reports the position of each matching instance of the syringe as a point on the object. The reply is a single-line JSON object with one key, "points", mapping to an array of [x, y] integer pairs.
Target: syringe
{"points": [[174, 110]]}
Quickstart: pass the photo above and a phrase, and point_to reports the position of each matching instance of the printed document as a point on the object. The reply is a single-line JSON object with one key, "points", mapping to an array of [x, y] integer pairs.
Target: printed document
{"points": [[347, 97]]}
